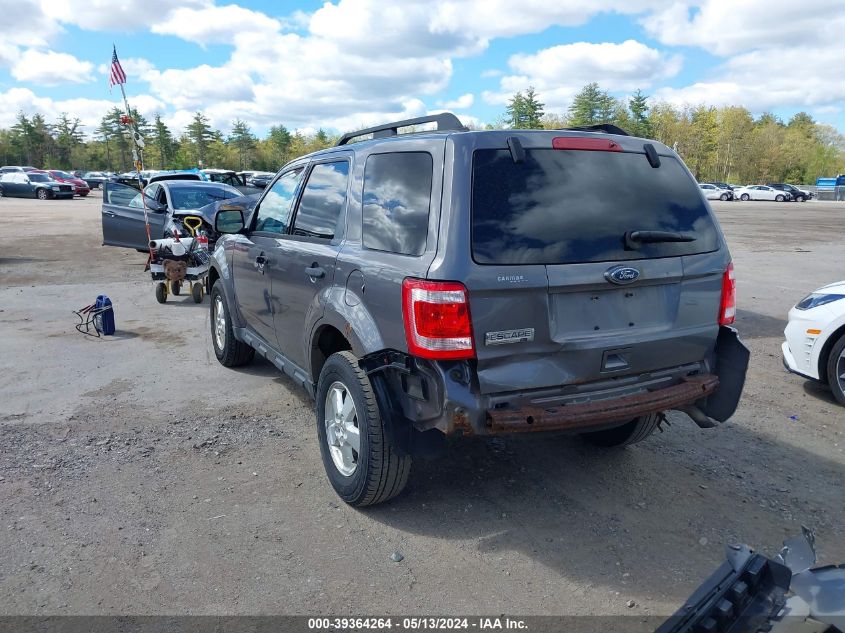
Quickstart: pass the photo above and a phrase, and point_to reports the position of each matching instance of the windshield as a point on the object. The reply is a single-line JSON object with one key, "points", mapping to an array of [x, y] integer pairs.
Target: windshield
{"points": [[564, 206], [63, 174], [196, 197], [39, 177]]}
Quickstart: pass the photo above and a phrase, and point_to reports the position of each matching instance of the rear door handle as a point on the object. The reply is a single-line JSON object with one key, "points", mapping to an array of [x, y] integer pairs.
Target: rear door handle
{"points": [[315, 272], [260, 261], [110, 214]]}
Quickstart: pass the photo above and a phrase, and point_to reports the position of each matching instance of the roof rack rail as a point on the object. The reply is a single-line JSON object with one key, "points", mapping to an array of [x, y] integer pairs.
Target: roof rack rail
{"points": [[444, 120], [609, 128]]}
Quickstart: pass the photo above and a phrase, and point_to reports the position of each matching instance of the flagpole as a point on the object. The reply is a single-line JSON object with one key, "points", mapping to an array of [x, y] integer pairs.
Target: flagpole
{"points": [[138, 156]]}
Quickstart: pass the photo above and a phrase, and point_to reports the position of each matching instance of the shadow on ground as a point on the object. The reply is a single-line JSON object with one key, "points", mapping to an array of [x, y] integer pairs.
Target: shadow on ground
{"points": [[657, 511]]}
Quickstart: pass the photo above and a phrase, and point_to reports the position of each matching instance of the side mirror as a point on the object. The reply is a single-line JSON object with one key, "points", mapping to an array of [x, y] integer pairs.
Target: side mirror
{"points": [[229, 220], [155, 205]]}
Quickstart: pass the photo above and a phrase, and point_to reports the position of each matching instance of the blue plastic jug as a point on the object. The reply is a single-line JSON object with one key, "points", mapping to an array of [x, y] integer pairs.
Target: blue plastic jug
{"points": [[104, 321]]}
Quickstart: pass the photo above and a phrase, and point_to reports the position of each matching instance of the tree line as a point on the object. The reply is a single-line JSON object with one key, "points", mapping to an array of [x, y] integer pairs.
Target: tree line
{"points": [[62, 145], [725, 144]]}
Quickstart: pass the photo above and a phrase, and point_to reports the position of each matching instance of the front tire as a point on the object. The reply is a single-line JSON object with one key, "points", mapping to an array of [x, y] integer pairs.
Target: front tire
{"points": [[360, 463], [723, 197], [42, 194], [632, 432], [779, 198], [228, 350], [745, 197], [836, 370]]}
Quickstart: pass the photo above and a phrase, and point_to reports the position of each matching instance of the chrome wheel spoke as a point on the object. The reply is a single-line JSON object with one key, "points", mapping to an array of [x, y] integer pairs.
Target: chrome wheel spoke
{"points": [[342, 435], [353, 437], [347, 411]]}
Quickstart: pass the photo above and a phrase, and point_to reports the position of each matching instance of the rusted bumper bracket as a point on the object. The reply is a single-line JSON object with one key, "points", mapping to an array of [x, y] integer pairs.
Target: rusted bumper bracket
{"points": [[588, 414]]}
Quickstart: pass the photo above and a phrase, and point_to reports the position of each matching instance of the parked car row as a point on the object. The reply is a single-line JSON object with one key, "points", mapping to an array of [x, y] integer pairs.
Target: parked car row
{"points": [[777, 192]]}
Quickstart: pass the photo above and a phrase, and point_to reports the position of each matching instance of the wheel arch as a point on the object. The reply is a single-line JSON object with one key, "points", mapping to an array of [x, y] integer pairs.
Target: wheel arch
{"points": [[824, 354]]}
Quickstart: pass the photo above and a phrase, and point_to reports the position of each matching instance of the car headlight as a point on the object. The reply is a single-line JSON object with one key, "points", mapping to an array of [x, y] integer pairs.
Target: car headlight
{"points": [[55, 187], [815, 300]]}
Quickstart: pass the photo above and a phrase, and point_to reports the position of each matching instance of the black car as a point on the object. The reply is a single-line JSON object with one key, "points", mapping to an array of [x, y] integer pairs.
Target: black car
{"points": [[798, 195], [19, 184], [94, 178]]}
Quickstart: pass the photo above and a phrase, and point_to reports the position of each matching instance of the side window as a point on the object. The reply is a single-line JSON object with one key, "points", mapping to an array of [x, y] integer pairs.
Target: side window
{"points": [[122, 195], [7, 177], [397, 197], [274, 211], [153, 191], [323, 200]]}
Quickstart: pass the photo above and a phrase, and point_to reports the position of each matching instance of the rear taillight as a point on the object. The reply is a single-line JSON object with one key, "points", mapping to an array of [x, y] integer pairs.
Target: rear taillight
{"points": [[727, 307], [437, 322]]}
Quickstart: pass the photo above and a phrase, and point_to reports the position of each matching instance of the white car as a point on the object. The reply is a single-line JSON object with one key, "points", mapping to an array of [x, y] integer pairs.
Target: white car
{"points": [[713, 192], [815, 338], [760, 192]]}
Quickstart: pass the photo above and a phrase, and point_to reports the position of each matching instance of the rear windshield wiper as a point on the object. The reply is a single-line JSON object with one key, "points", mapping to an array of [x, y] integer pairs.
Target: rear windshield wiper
{"points": [[633, 239]]}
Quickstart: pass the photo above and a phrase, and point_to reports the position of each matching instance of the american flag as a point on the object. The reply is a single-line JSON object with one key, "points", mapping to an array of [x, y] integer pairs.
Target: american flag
{"points": [[117, 76]]}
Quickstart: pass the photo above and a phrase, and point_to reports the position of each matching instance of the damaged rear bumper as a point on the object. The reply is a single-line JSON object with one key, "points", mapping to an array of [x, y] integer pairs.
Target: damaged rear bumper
{"points": [[445, 396], [589, 414]]}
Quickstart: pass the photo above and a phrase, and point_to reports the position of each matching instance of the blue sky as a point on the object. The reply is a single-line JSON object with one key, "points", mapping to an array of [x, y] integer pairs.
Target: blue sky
{"points": [[347, 63]]}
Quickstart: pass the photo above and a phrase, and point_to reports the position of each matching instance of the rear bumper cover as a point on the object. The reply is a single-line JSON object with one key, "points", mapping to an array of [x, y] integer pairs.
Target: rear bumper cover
{"points": [[445, 395], [589, 414]]}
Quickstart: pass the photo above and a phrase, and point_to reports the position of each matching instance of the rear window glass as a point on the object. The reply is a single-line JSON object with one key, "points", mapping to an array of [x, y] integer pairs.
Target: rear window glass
{"points": [[397, 197], [322, 202], [564, 206], [196, 197]]}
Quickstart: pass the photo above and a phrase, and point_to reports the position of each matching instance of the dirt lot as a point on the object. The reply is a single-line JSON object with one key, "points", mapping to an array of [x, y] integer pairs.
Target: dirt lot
{"points": [[139, 476]]}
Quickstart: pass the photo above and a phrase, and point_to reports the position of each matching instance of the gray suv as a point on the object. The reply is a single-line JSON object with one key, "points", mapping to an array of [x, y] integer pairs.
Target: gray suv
{"points": [[427, 284]]}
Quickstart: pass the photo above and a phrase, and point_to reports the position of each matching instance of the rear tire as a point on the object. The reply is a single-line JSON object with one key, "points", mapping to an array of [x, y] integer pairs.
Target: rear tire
{"points": [[197, 292], [630, 433], [228, 350], [745, 197], [836, 370], [161, 292], [374, 473]]}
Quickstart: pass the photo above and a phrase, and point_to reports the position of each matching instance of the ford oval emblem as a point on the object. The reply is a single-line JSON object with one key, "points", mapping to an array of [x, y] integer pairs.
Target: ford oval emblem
{"points": [[622, 275]]}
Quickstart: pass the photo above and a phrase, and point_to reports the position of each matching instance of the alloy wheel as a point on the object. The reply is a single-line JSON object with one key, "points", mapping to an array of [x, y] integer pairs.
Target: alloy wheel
{"points": [[342, 433], [219, 323]]}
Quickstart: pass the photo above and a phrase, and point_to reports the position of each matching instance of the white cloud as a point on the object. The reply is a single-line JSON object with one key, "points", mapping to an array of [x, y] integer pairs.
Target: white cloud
{"points": [[198, 87], [213, 25], [49, 68], [108, 15], [89, 111], [461, 103], [559, 72], [776, 54], [727, 28]]}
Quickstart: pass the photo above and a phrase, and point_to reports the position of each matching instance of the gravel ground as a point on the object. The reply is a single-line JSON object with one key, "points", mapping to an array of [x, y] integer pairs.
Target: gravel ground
{"points": [[137, 476]]}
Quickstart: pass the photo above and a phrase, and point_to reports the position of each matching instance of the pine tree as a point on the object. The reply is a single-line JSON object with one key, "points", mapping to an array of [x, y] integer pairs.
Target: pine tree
{"points": [[200, 134], [280, 140], [163, 143], [68, 137], [525, 111], [640, 124], [588, 105], [244, 142]]}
